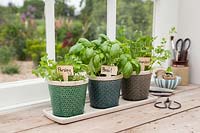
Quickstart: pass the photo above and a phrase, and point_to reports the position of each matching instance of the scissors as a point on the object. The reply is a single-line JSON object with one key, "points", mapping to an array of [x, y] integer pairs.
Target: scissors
{"points": [[182, 47], [168, 104]]}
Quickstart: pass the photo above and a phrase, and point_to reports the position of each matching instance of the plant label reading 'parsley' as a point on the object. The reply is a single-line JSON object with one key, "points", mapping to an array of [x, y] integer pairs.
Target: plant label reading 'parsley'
{"points": [[65, 71], [109, 70], [144, 61]]}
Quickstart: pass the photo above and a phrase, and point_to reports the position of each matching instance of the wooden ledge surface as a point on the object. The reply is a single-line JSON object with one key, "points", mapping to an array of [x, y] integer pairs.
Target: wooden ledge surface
{"points": [[142, 119]]}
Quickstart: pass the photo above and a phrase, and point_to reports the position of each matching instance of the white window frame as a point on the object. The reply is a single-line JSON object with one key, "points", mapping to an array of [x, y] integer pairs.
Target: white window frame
{"points": [[111, 19], [50, 28]]}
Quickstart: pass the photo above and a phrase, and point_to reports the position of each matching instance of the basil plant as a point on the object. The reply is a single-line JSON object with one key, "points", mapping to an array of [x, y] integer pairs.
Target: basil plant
{"points": [[103, 51]]}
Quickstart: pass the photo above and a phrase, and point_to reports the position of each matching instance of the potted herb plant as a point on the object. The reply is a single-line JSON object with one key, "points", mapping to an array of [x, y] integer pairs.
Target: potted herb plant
{"points": [[67, 86], [105, 79], [136, 86], [166, 78]]}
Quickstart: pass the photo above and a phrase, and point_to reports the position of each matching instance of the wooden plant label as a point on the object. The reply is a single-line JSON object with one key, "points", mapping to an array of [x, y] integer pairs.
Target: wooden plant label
{"points": [[144, 61], [109, 70], [65, 71]]}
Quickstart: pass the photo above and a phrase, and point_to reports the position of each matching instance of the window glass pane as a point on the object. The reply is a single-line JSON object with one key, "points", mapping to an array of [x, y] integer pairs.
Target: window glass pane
{"points": [[75, 19], [22, 32], [134, 15], [80, 18]]}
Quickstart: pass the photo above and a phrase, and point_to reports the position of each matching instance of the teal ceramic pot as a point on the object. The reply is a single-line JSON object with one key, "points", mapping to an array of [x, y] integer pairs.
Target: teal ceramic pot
{"points": [[136, 87], [104, 92], [67, 98], [170, 84]]}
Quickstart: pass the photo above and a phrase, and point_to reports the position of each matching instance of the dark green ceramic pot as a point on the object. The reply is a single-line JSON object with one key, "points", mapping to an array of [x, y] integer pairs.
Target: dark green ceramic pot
{"points": [[67, 98], [136, 87], [104, 92]]}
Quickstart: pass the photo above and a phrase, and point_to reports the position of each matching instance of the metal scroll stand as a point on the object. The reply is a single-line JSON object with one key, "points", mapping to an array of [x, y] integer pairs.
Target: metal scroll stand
{"points": [[168, 104]]}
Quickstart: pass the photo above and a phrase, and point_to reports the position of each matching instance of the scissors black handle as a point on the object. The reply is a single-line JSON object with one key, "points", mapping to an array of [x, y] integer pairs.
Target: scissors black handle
{"points": [[179, 42], [182, 44], [187, 42]]}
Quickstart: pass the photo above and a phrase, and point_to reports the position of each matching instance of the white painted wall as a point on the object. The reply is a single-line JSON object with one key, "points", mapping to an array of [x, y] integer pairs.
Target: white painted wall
{"points": [[165, 17], [189, 26]]}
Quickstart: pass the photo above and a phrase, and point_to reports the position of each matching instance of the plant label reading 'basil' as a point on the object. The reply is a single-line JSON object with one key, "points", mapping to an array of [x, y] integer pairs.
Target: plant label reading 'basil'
{"points": [[65, 71], [109, 70], [144, 61]]}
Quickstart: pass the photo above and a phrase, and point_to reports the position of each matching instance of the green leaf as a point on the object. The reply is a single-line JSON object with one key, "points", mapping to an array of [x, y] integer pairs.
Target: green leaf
{"points": [[85, 42], [76, 48], [84, 59], [169, 70], [89, 53], [97, 61], [115, 50], [128, 69], [136, 66], [91, 68], [103, 37], [96, 42], [101, 56], [104, 46], [123, 60]]}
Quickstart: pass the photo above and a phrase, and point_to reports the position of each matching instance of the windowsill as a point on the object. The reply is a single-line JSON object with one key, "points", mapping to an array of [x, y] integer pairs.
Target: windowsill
{"points": [[23, 93], [21, 82]]}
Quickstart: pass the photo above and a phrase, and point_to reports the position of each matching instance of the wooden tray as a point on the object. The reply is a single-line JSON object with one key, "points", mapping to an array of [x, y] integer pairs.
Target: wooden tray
{"points": [[92, 112]]}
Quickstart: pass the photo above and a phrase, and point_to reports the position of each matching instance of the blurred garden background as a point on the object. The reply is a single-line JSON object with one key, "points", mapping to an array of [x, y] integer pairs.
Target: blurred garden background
{"points": [[22, 29]]}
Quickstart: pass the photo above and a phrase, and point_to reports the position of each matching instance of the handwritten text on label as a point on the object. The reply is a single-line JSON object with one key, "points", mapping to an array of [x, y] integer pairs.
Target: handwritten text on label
{"points": [[65, 71], [109, 70]]}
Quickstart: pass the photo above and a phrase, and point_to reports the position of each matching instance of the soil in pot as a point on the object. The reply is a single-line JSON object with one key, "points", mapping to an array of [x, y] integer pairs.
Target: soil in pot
{"points": [[68, 99], [136, 87], [104, 92]]}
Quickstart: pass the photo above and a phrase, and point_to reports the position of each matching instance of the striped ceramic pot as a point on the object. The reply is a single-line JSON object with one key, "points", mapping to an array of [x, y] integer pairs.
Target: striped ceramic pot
{"points": [[170, 84]]}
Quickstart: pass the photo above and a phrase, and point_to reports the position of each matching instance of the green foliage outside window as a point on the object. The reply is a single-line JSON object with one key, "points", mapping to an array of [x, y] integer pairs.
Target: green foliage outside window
{"points": [[6, 55], [10, 69], [23, 28]]}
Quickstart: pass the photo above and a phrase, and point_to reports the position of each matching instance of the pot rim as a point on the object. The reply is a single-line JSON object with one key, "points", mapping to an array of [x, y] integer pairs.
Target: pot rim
{"points": [[143, 73], [177, 78], [101, 78], [68, 83]]}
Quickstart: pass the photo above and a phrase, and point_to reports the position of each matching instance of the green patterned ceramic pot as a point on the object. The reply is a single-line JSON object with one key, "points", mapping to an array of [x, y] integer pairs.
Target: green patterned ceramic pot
{"points": [[136, 87], [67, 98], [104, 92]]}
